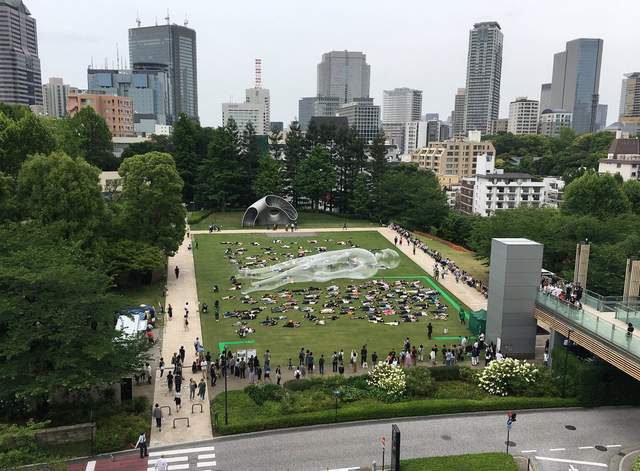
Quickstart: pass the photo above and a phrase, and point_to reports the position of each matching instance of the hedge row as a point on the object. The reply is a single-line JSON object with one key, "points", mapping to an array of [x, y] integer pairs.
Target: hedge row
{"points": [[417, 408]]}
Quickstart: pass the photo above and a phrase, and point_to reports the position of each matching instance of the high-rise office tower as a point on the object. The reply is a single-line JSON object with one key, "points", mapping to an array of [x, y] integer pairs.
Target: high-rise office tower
{"points": [[363, 116], [545, 97], [54, 97], [523, 116], [630, 97], [259, 95], [175, 47], [401, 105], [20, 81], [576, 80], [484, 68], [344, 74], [458, 114], [601, 117], [311, 106]]}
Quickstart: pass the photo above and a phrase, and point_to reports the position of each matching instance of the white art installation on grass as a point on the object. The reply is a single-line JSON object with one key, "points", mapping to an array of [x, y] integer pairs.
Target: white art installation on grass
{"points": [[357, 264]]}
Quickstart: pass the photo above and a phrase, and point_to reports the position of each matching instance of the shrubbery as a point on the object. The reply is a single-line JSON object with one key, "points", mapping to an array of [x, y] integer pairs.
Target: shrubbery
{"points": [[266, 392], [120, 431], [419, 382], [508, 376], [388, 382]]}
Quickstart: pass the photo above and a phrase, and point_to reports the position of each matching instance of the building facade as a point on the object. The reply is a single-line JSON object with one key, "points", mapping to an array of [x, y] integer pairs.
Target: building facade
{"points": [[244, 113], [322, 106], [344, 74], [545, 97], [117, 111], [261, 96], [576, 82], [499, 125], [175, 47], [523, 116], [149, 87], [601, 117], [20, 79], [54, 97], [364, 116], [484, 70], [553, 191], [458, 113], [415, 136], [401, 105], [552, 121], [630, 99], [623, 158]]}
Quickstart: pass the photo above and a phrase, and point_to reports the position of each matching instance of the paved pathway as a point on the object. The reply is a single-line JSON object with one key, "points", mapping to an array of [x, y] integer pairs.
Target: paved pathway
{"points": [[180, 291]]}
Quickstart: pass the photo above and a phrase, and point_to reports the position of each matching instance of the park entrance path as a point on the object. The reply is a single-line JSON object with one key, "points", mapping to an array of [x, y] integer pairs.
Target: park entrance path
{"points": [[467, 295], [180, 291]]}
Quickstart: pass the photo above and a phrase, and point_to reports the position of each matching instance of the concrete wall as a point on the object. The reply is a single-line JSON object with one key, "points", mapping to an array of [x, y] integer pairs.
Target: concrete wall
{"points": [[67, 434], [513, 283]]}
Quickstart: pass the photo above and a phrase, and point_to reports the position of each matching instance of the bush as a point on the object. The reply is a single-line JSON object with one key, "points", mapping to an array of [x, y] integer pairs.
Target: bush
{"points": [[636, 465], [446, 373], [351, 393], [509, 376], [303, 384], [419, 382], [120, 431], [266, 392], [388, 382], [198, 216]]}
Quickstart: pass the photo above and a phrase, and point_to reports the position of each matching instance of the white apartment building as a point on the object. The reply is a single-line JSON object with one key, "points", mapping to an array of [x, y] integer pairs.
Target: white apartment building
{"points": [[244, 113], [401, 105], [523, 116], [261, 96], [553, 191], [163, 130], [623, 158], [415, 136], [552, 121]]}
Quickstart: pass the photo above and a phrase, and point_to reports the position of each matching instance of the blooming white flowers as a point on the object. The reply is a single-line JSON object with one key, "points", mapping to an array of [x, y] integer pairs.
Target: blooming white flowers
{"points": [[501, 377], [388, 379]]}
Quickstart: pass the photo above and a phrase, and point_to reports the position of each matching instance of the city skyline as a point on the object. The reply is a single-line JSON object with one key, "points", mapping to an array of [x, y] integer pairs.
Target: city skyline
{"points": [[290, 66]]}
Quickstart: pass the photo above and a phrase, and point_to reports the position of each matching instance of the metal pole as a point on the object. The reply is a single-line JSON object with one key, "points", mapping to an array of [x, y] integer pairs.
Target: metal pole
{"points": [[508, 430], [226, 372], [336, 418], [382, 459], [566, 357]]}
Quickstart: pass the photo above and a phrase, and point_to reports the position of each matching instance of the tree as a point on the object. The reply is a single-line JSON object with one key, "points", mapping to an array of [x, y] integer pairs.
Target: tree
{"points": [[294, 153], [249, 160], [631, 189], [21, 138], [185, 138], [94, 138], [64, 193], [599, 195], [378, 167], [412, 198], [56, 319], [8, 203], [133, 260], [315, 176], [154, 144], [269, 179], [361, 198], [152, 209]]}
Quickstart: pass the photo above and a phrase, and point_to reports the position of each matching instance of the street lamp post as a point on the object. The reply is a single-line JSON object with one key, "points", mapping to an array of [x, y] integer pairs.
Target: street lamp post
{"points": [[566, 357], [225, 365], [336, 394]]}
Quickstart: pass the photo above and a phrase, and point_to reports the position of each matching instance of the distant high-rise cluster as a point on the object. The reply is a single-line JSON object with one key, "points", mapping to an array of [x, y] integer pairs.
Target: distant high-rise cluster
{"points": [[20, 81], [54, 97], [255, 110]]}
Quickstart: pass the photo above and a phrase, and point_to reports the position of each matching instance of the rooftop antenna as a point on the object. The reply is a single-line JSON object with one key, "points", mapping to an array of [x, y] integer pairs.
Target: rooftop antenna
{"points": [[186, 20], [138, 20], [92, 62], [258, 73], [156, 21], [117, 56], [168, 18]]}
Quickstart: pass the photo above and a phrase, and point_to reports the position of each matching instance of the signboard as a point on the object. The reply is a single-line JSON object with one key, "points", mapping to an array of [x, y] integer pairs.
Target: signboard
{"points": [[395, 448]]}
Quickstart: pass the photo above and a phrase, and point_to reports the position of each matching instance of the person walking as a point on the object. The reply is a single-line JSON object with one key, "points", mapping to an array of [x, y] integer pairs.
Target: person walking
{"points": [[429, 330], [354, 361], [157, 414], [170, 312], [374, 359], [161, 464], [178, 400], [182, 352], [192, 389], [278, 375], [334, 362], [202, 387], [363, 355], [176, 270], [142, 445], [161, 366], [321, 364]]}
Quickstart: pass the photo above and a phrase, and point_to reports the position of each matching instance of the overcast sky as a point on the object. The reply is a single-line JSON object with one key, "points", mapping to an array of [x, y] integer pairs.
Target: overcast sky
{"points": [[418, 43]]}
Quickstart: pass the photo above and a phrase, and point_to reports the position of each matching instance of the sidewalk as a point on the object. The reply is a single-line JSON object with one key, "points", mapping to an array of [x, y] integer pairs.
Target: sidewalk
{"points": [[179, 291]]}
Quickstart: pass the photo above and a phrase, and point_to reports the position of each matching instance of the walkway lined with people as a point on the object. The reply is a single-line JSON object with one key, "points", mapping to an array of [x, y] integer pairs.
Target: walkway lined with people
{"points": [[181, 289]]}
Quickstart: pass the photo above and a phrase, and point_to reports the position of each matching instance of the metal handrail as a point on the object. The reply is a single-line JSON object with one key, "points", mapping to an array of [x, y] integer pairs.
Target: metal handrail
{"points": [[196, 404], [181, 418], [168, 407]]}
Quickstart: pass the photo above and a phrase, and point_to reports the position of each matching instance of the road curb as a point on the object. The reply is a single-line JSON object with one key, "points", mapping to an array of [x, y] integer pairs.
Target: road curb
{"points": [[621, 461]]}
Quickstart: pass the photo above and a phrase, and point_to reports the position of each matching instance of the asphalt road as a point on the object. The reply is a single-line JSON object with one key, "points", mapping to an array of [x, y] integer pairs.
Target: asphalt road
{"points": [[573, 440]]}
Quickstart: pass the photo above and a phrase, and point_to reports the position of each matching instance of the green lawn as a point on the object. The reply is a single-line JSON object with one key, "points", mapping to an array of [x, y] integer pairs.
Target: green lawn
{"points": [[475, 462], [463, 258], [344, 333], [232, 220], [143, 294]]}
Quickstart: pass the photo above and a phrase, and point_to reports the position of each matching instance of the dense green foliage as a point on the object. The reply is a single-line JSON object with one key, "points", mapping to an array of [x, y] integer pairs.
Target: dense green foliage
{"points": [[475, 462]]}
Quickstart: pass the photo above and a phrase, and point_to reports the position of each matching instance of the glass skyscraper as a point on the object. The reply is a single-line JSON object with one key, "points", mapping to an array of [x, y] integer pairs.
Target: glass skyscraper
{"points": [[20, 80], [576, 81], [175, 47], [345, 75]]}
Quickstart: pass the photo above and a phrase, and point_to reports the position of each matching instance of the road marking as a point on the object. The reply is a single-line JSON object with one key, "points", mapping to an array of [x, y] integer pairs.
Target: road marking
{"points": [[586, 447], [573, 468], [345, 469], [182, 451], [207, 456], [175, 459], [560, 460], [557, 449], [172, 467], [529, 451], [202, 464], [91, 465], [613, 446]]}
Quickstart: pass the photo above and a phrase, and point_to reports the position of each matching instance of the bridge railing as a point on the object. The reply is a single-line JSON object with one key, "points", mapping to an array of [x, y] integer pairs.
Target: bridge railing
{"points": [[591, 323]]}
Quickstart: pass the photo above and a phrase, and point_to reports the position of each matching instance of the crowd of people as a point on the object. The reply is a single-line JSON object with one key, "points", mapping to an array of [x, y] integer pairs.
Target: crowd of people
{"points": [[567, 292], [443, 265]]}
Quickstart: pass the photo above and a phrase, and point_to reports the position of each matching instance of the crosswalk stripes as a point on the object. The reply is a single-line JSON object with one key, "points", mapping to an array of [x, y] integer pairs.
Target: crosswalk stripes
{"points": [[198, 458]]}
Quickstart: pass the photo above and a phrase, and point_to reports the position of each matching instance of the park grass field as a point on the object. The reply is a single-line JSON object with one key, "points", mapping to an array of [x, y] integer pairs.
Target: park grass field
{"points": [[475, 462], [465, 259], [344, 333], [306, 220]]}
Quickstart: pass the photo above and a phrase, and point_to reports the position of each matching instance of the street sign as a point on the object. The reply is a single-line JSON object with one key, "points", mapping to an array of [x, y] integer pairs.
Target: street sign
{"points": [[395, 448], [509, 424], [382, 442]]}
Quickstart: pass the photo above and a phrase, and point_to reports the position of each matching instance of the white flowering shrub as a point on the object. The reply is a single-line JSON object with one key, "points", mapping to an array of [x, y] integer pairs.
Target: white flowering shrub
{"points": [[508, 376], [388, 381]]}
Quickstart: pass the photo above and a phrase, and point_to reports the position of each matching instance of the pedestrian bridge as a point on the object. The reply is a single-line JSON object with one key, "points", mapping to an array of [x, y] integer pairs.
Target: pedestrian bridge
{"points": [[600, 326]]}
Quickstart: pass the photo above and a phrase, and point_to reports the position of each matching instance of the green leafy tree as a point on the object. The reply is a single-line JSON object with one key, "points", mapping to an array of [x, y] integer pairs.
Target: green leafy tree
{"points": [[130, 260], [599, 195], [186, 135], [361, 199], [94, 138], [8, 203], [377, 167], [57, 320], [64, 193], [21, 138], [250, 152], [154, 144], [66, 139], [295, 152], [631, 189], [152, 209], [412, 198], [269, 180], [315, 176]]}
